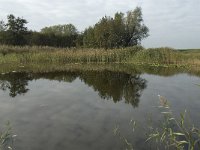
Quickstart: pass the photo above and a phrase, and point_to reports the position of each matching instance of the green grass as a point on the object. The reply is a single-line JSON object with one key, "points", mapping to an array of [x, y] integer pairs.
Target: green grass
{"points": [[154, 56], [9, 54], [173, 133], [167, 57], [6, 137], [133, 55]]}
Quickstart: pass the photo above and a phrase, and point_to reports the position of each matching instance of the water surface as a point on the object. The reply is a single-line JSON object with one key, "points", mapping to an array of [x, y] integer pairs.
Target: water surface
{"points": [[78, 110]]}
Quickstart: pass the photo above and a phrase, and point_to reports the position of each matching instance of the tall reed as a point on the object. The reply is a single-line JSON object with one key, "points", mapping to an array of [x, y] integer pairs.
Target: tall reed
{"points": [[173, 133], [166, 56], [6, 137], [9, 54]]}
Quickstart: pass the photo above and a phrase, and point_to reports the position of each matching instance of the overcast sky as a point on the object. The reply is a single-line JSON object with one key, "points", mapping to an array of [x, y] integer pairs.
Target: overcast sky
{"points": [[173, 23]]}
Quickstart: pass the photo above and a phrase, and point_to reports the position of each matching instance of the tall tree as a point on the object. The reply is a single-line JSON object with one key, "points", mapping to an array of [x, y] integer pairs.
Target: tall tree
{"points": [[136, 30], [16, 31], [16, 25], [89, 37], [2, 26], [60, 35], [119, 29], [103, 32], [65, 30]]}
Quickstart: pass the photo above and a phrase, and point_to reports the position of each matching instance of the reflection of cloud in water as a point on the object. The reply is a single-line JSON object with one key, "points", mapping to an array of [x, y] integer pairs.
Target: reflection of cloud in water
{"points": [[110, 85]]}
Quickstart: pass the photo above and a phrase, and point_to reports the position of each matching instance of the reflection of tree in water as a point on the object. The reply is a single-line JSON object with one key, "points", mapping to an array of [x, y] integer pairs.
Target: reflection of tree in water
{"points": [[110, 85], [16, 83], [117, 86]]}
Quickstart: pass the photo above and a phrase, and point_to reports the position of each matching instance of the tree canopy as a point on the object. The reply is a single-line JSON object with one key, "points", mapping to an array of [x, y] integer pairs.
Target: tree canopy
{"points": [[65, 30], [2, 26], [14, 31], [122, 30], [16, 25]]}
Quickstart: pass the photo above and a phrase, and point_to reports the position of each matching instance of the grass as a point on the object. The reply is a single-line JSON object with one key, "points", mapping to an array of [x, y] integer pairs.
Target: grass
{"points": [[15, 54], [167, 57], [174, 133], [156, 57], [6, 137]]}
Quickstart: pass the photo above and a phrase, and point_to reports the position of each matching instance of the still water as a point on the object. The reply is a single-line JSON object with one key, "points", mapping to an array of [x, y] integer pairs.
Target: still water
{"points": [[78, 110]]}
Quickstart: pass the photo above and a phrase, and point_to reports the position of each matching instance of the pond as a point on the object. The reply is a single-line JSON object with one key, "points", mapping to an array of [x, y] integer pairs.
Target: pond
{"points": [[78, 110]]}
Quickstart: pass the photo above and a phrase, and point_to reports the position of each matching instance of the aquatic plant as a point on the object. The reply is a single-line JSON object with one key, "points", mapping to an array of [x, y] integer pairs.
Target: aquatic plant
{"points": [[166, 56], [27, 54], [6, 137], [173, 133], [134, 55]]}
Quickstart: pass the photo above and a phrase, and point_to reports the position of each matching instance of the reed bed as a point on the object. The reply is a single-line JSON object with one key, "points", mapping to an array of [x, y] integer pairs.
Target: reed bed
{"points": [[137, 55], [166, 56], [27, 54]]}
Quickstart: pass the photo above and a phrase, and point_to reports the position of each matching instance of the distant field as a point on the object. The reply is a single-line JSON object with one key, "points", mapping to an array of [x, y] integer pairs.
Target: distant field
{"points": [[189, 50]]}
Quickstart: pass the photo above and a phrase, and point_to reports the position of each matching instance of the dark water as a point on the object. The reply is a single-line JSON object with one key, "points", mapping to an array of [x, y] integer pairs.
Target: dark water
{"points": [[78, 110]]}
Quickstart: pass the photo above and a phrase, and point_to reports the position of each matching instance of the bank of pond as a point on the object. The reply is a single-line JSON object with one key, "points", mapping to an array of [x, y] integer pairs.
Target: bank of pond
{"points": [[132, 55]]}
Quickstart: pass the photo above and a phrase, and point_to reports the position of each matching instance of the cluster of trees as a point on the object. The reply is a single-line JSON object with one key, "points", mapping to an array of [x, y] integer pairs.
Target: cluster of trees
{"points": [[15, 32], [56, 36], [120, 31]]}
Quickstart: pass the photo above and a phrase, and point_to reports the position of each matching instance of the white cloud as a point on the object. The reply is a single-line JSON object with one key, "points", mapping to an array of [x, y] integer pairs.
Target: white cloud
{"points": [[172, 23]]}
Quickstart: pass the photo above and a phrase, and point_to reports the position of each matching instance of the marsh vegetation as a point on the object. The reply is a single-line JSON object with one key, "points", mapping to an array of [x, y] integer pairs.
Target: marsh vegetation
{"points": [[129, 55], [173, 133]]}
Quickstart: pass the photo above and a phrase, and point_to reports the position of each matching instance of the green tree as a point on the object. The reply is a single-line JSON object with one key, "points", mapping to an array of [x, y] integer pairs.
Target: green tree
{"points": [[16, 25], [135, 28], [119, 29], [2, 26], [2, 32], [60, 35], [103, 33], [100, 35], [79, 40], [65, 30], [16, 31], [89, 37]]}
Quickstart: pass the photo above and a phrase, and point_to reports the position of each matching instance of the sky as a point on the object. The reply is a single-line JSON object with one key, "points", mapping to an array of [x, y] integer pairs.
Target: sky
{"points": [[172, 23]]}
